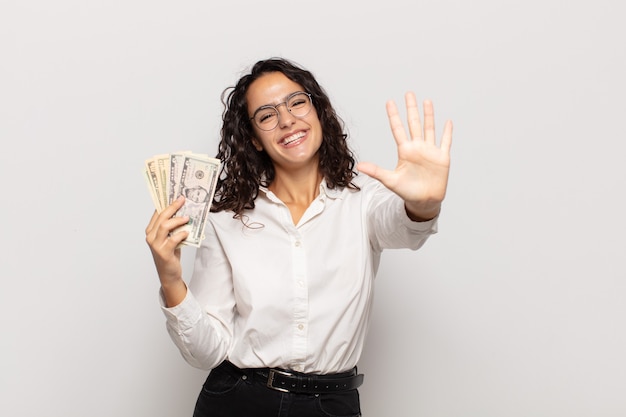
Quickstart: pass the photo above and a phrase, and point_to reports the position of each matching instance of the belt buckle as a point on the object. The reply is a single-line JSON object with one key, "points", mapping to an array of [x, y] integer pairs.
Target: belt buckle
{"points": [[270, 379]]}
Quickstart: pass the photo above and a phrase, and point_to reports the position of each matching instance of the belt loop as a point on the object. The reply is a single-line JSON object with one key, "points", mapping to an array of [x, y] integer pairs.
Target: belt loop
{"points": [[245, 374], [248, 374], [307, 382]]}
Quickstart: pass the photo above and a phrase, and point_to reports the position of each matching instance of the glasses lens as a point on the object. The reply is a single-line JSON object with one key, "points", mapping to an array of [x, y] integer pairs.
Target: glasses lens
{"points": [[299, 104], [266, 119]]}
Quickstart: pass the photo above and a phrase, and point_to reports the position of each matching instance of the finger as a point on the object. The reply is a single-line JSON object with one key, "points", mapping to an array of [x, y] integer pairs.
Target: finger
{"points": [[367, 168], [168, 228], [173, 208], [413, 116], [176, 238], [429, 122], [165, 222], [446, 139], [164, 246], [374, 171], [152, 222], [397, 129]]}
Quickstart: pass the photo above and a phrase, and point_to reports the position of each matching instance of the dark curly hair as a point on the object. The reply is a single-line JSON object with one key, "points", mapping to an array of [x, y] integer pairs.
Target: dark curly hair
{"points": [[244, 168]]}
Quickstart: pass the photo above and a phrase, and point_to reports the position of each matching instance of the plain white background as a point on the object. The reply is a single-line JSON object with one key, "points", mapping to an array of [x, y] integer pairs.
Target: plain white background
{"points": [[516, 308]]}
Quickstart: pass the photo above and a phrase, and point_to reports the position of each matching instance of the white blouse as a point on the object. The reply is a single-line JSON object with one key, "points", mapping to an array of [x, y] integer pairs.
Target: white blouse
{"points": [[298, 297]]}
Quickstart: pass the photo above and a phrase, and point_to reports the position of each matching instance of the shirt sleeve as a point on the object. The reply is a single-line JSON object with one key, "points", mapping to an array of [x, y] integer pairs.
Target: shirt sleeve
{"points": [[389, 226], [201, 325]]}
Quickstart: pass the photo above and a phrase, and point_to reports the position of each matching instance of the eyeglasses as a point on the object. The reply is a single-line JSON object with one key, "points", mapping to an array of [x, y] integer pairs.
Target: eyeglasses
{"points": [[299, 104]]}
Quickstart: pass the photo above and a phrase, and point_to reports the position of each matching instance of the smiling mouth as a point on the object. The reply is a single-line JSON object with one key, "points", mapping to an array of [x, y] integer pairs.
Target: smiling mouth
{"points": [[293, 138]]}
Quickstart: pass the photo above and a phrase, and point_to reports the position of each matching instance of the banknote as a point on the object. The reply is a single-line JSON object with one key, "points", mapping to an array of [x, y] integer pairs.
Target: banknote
{"points": [[156, 187], [176, 163], [163, 162], [150, 181], [184, 173]]}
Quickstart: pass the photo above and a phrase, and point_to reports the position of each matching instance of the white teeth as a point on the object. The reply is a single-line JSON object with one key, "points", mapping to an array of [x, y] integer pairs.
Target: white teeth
{"points": [[293, 138]]}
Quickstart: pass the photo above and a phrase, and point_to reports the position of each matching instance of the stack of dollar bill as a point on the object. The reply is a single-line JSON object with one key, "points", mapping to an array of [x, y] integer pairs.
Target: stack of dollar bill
{"points": [[191, 175]]}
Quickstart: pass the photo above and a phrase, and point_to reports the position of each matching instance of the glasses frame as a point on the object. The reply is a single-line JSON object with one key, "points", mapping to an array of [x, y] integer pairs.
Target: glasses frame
{"points": [[269, 106]]}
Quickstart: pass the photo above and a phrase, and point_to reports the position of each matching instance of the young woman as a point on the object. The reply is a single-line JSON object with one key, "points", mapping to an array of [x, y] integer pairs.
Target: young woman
{"points": [[279, 301]]}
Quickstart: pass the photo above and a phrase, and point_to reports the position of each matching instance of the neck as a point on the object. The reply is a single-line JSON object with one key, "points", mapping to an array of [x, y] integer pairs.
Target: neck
{"points": [[297, 187]]}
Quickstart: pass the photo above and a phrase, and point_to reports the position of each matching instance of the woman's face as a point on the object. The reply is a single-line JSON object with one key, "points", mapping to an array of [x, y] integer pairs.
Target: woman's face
{"points": [[294, 142]]}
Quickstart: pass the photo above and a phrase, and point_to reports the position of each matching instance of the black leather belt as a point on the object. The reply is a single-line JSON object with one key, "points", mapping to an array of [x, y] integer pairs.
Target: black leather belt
{"points": [[286, 381]]}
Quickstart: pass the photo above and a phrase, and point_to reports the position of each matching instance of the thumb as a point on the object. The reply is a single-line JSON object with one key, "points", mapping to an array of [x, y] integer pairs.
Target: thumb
{"points": [[373, 171]]}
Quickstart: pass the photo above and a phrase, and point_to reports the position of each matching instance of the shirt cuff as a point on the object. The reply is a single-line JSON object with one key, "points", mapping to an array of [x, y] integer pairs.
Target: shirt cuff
{"points": [[183, 316], [425, 226]]}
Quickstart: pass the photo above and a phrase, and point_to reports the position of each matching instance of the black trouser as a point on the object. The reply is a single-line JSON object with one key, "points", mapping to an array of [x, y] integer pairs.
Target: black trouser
{"points": [[233, 392]]}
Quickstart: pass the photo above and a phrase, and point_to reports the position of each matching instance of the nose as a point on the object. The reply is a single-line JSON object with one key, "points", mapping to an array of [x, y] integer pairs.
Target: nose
{"points": [[285, 118]]}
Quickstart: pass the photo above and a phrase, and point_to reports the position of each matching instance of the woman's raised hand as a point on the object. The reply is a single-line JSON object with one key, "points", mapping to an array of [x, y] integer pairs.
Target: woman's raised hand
{"points": [[421, 174]]}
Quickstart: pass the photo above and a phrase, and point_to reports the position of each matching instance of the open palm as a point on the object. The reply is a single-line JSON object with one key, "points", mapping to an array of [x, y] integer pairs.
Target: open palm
{"points": [[421, 174]]}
